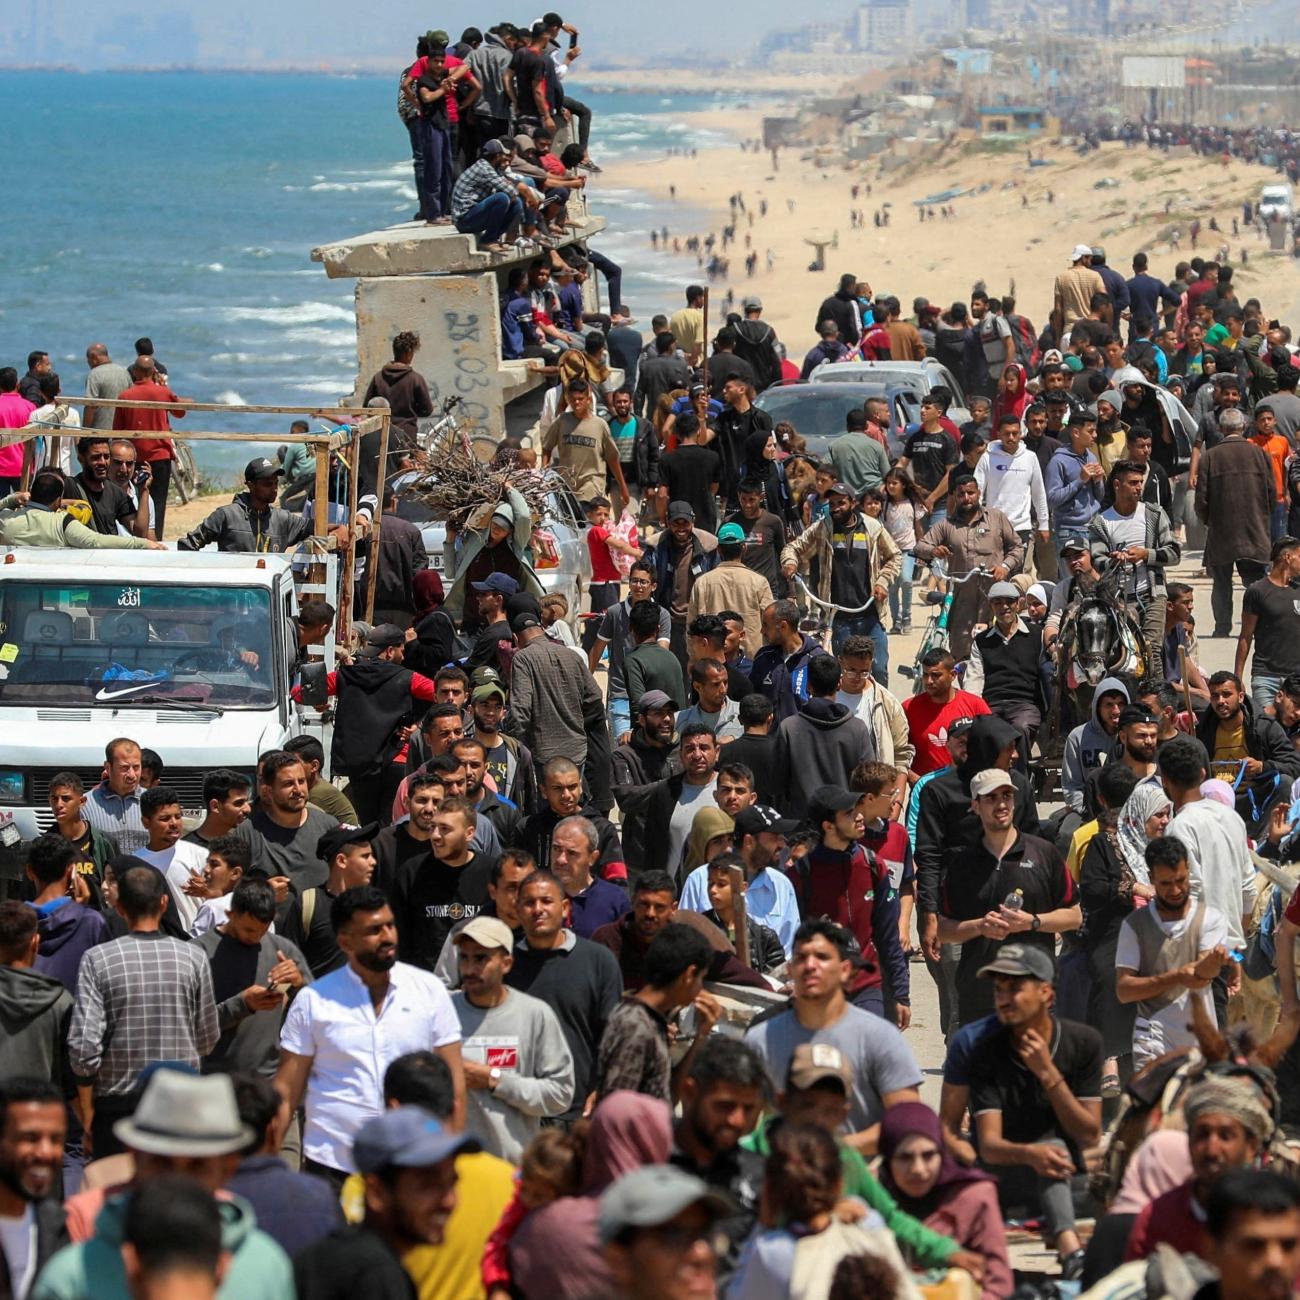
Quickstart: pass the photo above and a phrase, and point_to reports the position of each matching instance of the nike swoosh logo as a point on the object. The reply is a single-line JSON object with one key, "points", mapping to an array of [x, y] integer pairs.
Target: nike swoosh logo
{"points": [[105, 694]]}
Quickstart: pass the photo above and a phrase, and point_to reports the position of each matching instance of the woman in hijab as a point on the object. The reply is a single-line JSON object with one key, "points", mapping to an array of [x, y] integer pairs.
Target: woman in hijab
{"points": [[433, 645], [1159, 1165], [931, 1186], [556, 1253], [761, 460], [1013, 395], [1110, 887]]}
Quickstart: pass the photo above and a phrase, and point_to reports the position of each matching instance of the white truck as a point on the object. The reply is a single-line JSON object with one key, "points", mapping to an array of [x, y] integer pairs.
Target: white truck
{"points": [[1276, 201], [191, 655]]}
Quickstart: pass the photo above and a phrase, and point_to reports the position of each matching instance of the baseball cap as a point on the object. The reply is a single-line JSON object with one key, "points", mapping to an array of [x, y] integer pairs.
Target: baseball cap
{"points": [[487, 691], [650, 1196], [654, 700], [334, 841], [1073, 545], [731, 533], [1009, 590], [1081, 250], [827, 800], [485, 674], [814, 1063], [752, 303], [1021, 959], [385, 636], [262, 468], [757, 818], [522, 622], [489, 931], [992, 778], [681, 510], [959, 726], [524, 143], [502, 583], [493, 149], [839, 488], [406, 1138]]}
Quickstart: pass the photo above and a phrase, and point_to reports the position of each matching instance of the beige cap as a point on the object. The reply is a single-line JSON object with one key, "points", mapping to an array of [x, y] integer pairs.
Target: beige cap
{"points": [[992, 778], [814, 1063], [488, 931]]}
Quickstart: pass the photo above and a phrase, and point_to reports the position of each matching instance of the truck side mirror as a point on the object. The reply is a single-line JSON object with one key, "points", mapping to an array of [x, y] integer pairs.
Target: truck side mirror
{"points": [[313, 683]]}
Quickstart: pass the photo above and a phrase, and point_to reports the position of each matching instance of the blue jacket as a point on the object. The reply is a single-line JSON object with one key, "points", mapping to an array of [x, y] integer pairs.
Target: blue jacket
{"points": [[1073, 500], [706, 557]]}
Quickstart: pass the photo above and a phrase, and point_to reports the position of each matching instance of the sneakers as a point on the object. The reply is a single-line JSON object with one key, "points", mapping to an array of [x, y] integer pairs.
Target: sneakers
{"points": [[907, 626], [1072, 1266]]}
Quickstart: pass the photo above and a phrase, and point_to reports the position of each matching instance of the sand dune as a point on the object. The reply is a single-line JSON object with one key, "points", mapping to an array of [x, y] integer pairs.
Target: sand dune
{"points": [[1006, 232]]}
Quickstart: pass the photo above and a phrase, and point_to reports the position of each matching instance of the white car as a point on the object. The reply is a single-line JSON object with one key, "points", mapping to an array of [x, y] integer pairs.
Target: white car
{"points": [[920, 376]]}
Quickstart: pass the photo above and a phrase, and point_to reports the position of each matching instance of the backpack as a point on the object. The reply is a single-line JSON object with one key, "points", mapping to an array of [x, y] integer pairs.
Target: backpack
{"points": [[1028, 353]]}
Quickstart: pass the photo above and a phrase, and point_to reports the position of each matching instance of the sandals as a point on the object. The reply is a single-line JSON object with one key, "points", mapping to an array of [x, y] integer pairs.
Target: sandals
{"points": [[1110, 1085]]}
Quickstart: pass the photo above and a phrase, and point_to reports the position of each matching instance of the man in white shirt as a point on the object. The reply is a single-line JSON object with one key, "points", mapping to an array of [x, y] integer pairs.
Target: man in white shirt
{"points": [[518, 1067], [183, 864], [343, 1032], [1169, 952], [123, 461], [1218, 854], [1010, 479]]}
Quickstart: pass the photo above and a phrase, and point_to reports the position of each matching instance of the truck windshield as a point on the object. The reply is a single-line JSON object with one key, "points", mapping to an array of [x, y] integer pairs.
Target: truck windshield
{"points": [[104, 643]]}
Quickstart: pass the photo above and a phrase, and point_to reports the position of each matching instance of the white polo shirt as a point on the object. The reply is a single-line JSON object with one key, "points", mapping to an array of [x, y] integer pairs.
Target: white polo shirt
{"points": [[178, 864], [334, 1022]]}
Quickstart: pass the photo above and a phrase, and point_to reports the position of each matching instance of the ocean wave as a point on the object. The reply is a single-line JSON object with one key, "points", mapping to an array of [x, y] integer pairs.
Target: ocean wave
{"points": [[256, 250], [355, 187], [303, 313], [343, 340], [256, 358], [330, 387], [212, 266], [229, 397]]}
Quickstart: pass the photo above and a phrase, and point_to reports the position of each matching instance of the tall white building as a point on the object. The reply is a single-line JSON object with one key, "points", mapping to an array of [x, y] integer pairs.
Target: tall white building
{"points": [[884, 26]]}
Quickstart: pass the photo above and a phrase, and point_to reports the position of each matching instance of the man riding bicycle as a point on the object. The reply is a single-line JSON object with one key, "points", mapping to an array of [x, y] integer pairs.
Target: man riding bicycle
{"points": [[971, 537], [851, 560]]}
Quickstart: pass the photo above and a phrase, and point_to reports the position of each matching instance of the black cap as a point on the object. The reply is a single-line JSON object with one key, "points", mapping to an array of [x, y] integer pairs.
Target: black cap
{"points": [[827, 800], [340, 837], [262, 468], [756, 819], [522, 622], [385, 636]]}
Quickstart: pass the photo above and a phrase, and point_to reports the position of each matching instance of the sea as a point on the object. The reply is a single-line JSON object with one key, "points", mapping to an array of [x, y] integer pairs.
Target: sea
{"points": [[185, 207]]}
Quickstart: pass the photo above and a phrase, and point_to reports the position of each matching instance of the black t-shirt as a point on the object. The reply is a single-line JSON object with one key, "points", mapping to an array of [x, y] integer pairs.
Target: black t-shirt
{"points": [[350, 1263], [975, 883], [487, 646], [498, 764], [998, 1080], [1277, 629], [108, 507], [527, 65], [931, 456], [727, 365], [764, 538], [689, 473], [313, 933], [758, 753], [433, 897], [436, 111]]}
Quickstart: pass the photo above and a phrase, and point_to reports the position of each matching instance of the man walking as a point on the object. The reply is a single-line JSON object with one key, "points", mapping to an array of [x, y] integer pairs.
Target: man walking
{"points": [[1075, 481], [1010, 480], [1234, 500], [1270, 619]]}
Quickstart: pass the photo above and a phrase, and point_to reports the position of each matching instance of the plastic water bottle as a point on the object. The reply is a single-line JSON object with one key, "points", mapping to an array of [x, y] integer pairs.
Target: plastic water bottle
{"points": [[1014, 901], [939, 567]]}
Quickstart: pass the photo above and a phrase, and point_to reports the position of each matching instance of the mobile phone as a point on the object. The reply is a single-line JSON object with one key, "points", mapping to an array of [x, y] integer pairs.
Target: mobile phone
{"points": [[573, 40], [278, 988], [140, 477]]}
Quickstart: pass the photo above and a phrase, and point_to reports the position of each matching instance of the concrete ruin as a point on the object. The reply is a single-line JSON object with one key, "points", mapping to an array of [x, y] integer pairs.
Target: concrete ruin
{"points": [[434, 280]]}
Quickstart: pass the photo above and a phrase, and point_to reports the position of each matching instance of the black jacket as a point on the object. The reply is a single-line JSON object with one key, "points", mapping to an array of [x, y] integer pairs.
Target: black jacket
{"points": [[757, 345], [373, 701], [51, 1235], [637, 770], [536, 831], [819, 745], [508, 821], [434, 646], [1266, 741], [401, 557], [844, 310], [784, 679], [1104, 906], [945, 821]]}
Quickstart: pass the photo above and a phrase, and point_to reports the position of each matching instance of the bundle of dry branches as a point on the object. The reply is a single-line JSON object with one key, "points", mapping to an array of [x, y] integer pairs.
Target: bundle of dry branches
{"points": [[459, 486]]}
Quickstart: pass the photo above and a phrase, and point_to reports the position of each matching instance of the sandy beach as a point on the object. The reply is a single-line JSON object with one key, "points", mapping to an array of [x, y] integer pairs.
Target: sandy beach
{"points": [[1013, 227]]}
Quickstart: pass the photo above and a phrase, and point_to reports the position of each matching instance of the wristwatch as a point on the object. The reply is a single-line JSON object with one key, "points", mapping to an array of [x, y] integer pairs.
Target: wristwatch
{"points": [[1035, 923], [494, 1076]]}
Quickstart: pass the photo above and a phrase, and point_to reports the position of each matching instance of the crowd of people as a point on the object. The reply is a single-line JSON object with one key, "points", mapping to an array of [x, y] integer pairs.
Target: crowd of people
{"points": [[582, 967]]}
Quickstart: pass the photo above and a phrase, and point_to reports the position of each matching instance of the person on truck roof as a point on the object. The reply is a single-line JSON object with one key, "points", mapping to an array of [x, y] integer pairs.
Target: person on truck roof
{"points": [[40, 521], [252, 522]]}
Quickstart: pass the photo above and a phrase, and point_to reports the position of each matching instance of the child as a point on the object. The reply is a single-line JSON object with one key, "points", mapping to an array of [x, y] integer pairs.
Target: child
{"points": [[555, 619], [904, 511], [873, 503], [815, 504], [973, 446], [605, 587], [229, 859], [883, 794], [551, 1167], [765, 952]]}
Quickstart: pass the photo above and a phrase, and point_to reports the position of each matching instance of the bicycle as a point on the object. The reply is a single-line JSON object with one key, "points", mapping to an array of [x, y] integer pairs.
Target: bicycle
{"points": [[935, 634], [819, 627]]}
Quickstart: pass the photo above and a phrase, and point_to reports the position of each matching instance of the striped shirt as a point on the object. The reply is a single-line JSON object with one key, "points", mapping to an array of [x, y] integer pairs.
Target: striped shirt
{"points": [[117, 816], [476, 183], [143, 998]]}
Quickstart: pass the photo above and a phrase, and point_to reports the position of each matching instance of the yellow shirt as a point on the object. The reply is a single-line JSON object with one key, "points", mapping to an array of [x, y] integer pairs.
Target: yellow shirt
{"points": [[485, 1185], [1229, 749], [1079, 842]]}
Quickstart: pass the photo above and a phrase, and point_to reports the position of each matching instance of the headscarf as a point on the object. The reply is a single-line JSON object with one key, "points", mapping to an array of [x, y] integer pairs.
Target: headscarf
{"points": [[1159, 1165], [1235, 1097], [1219, 791], [628, 1130], [910, 1119], [1147, 798], [1011, 403], [426, 592], [707, 823]]}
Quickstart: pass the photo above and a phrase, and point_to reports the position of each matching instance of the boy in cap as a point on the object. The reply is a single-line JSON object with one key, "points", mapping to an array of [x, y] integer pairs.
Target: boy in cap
{"points": [[408, 1160], [605, 585], [1005, 666], [252, 522], [732, 586], [518, 1067], [1036, 1094]]}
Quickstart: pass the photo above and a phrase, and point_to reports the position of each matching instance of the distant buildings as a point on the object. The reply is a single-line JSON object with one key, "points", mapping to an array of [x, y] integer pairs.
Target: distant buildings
{"points": [[884, 27]]}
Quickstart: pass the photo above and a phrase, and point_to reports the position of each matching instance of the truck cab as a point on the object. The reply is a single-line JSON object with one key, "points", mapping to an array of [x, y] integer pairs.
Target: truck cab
{"points": [[193, 655]]}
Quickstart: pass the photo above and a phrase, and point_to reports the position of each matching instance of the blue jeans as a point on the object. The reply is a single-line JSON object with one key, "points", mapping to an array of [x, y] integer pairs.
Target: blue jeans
{"points": [[491, 217], [900, 592], [415, 129], [1277, 521], [613, 274], [619, 713], [1263, 688], [847, 625], [435, 192]]}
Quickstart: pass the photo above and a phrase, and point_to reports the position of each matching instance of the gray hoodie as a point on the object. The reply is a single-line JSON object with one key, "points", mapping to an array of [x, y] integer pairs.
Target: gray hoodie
{"points": [[35, 1011], [1087, 746]]}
